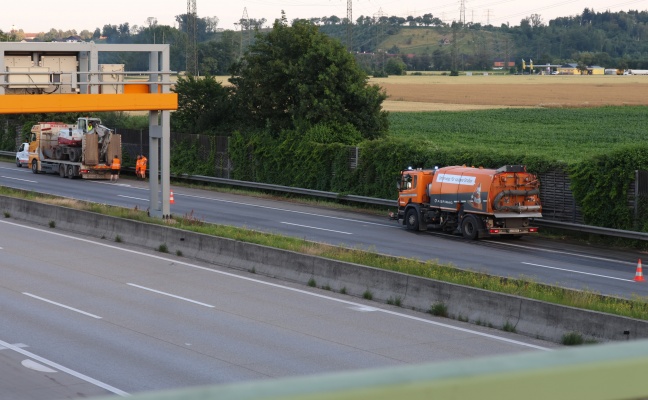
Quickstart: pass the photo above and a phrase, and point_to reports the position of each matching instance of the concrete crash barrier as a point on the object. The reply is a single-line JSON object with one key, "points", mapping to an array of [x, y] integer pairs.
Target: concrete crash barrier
{"points": [[529, 317]]}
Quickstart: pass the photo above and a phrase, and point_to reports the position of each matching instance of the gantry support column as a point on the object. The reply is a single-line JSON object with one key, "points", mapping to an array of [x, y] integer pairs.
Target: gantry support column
{"points": [[159, 142]]}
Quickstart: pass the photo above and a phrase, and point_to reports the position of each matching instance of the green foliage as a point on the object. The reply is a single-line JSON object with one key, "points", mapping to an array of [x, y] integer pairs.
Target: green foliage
{"points": [[439, 309], [600, 184], [205, 106], [186, 159], [294, 78], [333, 132], [509, 327], [395, 66], [395, 301], [287, 160], [572, 339], [568, 135]]}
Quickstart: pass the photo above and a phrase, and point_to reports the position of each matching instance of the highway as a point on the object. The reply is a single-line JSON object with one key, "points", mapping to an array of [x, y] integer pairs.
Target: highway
{"points": [[593, 268], [84, 316]]}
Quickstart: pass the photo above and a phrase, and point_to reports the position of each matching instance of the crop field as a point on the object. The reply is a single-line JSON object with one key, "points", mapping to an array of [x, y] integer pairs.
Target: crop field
{"points": [[567, 135], [565, 118], [477, 92]]}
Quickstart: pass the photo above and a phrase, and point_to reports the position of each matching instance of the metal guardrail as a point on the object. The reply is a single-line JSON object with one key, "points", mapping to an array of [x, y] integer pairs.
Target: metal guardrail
{"points": [[618, 233]]}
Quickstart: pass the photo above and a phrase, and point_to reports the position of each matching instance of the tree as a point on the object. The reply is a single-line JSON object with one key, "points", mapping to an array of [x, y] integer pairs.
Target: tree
{"points": [[395, 66], [295, 77], [205, 106]]}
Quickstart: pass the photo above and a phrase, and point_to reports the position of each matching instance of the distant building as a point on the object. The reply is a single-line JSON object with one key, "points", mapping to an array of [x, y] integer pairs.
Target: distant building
{"points": [[568, 69], [30, 36], [72, 39]]}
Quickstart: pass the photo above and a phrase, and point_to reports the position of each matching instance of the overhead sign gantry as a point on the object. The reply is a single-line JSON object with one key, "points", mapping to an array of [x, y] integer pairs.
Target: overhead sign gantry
{"points": [[38, 77]]}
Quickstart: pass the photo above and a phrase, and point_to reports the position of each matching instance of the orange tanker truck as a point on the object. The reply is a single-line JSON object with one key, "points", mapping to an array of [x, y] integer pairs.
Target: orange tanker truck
{"points": [[475, 202]]}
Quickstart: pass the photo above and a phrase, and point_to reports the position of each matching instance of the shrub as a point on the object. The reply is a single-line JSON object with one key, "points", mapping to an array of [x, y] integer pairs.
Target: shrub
{"points": [[439, 309], [572, 339], [509, 327]]}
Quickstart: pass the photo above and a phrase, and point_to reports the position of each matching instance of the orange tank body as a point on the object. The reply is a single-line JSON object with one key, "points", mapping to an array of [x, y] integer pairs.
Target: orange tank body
{"points": [[486, 201], [486, 191]]}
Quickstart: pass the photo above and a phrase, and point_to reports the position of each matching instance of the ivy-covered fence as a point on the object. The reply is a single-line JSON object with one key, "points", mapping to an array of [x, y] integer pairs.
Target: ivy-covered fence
{"points": [[605, 190]]}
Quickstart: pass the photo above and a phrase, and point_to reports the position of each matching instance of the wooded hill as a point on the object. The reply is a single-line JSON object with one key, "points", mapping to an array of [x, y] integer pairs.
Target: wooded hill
{"points": [[423, 43]]}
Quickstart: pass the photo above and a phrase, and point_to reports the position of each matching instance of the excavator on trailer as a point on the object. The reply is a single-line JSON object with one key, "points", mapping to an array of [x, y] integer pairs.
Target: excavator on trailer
{"points": [[84, 149]]}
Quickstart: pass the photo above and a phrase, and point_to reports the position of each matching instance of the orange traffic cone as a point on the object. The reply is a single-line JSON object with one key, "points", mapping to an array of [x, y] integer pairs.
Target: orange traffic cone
{"points": [[171, 201], [639, 275]]}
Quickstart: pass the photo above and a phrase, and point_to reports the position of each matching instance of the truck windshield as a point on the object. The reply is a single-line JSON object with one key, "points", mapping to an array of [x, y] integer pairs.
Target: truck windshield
{"points": [[408, 182]]}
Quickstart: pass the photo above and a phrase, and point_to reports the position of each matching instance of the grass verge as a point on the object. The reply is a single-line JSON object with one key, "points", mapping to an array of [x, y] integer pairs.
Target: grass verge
{"points": [[636, 307]]}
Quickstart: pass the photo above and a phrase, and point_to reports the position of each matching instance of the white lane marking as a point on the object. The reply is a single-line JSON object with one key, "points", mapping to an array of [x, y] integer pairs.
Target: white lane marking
{"points": [[232, 275], [130, 197], [31, 364], [578, 272], [62, 305], [319, 229], [108, 182], [17, 345], [64, 369], [170, 295], [290, 211], [364, 309], [566, 253], [18, 179]]}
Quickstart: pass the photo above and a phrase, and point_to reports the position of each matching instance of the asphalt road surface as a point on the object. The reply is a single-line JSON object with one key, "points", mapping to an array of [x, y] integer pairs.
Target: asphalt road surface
{"points": [[575, 266], [83, 317]]}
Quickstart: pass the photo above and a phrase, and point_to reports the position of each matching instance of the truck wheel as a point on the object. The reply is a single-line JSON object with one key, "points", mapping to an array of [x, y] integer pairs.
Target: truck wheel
{"points": [[73, 155], [35, 166], [62, 171], [70, 171], [412, 219], [470, 227]]}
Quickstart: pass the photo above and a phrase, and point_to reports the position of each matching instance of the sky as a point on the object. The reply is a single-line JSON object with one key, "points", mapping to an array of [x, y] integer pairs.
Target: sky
{"points": [[33, 16]]}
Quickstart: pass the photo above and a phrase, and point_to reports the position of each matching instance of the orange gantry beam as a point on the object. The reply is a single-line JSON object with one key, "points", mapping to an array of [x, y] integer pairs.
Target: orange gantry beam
{"points": [[25, 103]]}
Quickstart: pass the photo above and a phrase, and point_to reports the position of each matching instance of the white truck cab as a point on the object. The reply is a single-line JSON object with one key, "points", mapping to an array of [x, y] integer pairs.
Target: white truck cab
{"points": [[22, 155]]}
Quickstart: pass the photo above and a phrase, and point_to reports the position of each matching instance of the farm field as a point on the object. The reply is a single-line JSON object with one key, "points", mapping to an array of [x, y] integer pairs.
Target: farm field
{"points": [[563, 134], [479, 92], [564, 118]]}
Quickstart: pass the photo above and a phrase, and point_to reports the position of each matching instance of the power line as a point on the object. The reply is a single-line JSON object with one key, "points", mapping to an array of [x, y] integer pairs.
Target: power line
{"points": [[192, 38], [350, 25]]}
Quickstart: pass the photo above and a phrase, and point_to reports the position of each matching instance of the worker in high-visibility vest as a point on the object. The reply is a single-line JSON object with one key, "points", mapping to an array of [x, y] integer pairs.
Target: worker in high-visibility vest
{"points": [[114, 169], [138, 166], [141, 166]]}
